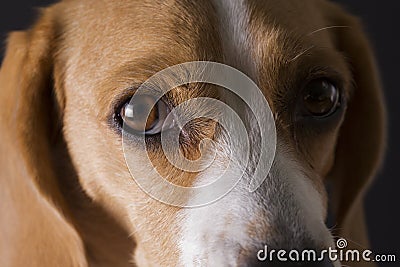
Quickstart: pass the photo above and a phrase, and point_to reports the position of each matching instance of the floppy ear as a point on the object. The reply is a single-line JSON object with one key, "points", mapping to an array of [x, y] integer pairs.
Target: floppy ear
{"points": [[34, 231], [362, 136]]}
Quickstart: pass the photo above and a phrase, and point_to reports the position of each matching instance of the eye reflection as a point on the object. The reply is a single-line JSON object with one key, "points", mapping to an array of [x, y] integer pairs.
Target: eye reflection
{"points": [[321, 98], [144, 116]]}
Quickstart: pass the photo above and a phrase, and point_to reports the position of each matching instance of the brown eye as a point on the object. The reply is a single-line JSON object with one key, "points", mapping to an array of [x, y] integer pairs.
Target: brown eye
{"points": [[143, 115], [321, 98]]}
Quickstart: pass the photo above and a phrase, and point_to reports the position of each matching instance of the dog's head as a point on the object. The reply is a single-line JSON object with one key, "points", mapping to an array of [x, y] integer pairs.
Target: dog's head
{"points": [[65, 88]]}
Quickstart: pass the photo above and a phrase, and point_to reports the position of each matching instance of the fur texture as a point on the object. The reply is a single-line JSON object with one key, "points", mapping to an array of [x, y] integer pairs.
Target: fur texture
{"points": [[66, 195]]}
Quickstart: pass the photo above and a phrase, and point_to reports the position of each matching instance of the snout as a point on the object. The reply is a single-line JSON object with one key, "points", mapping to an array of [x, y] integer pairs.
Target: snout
{"points": [[286, 212]]}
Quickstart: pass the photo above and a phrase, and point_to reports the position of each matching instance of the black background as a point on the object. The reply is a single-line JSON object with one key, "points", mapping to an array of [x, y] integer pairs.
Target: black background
{"points": [[382, 21]]}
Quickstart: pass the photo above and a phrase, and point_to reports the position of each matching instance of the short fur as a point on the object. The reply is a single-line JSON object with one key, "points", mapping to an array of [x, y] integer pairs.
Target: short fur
{"points": [[66, 195]]}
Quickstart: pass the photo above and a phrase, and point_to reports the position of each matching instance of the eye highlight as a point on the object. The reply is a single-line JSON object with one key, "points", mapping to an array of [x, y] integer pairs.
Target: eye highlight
{"points": [[320, 98], [144, 115]]}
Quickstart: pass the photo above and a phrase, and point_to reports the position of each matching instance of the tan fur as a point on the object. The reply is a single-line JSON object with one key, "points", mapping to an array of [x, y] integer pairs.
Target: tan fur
{"points": [[66, 195]]}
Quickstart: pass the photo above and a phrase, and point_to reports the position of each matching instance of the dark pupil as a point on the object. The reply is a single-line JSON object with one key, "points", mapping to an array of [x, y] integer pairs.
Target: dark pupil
{"points": [[321, 98]]}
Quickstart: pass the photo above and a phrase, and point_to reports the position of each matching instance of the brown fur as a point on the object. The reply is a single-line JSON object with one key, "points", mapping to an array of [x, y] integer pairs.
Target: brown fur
{"points": [[66, 195]]}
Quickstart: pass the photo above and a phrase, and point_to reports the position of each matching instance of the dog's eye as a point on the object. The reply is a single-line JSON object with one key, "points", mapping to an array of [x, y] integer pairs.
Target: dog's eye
{"points": [[144, 116], [321, 98]]}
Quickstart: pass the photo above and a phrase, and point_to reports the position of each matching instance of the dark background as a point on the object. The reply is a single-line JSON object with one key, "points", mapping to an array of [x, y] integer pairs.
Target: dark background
{"points": [[382, 22]]}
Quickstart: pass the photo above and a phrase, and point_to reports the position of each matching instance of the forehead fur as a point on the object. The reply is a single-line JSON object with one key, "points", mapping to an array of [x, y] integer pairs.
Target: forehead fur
{"points": [[148, 36], [121, 44]]}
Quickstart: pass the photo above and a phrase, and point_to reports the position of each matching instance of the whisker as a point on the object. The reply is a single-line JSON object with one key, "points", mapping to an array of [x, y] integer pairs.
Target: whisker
{"points": [[328, 28], [301, 54]]}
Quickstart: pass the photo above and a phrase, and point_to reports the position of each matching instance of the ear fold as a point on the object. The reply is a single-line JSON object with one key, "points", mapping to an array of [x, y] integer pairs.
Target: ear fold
{"points": [[31, 204], [361, 141]]}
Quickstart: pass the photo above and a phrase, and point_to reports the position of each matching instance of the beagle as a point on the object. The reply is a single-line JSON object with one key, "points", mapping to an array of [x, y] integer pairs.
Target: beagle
{"points": [[69, 195]]}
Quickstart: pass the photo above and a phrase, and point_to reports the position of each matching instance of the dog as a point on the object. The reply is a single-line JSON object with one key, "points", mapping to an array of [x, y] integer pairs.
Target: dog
{"points": [[67, 195]]}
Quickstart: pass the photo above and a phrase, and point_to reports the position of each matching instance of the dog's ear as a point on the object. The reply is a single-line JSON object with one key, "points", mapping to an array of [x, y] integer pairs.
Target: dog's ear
{"points": [[362, 136], [33, 223]]}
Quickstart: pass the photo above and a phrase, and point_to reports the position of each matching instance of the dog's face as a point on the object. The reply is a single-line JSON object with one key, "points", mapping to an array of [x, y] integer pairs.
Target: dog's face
{"points": [[311, 63]]}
